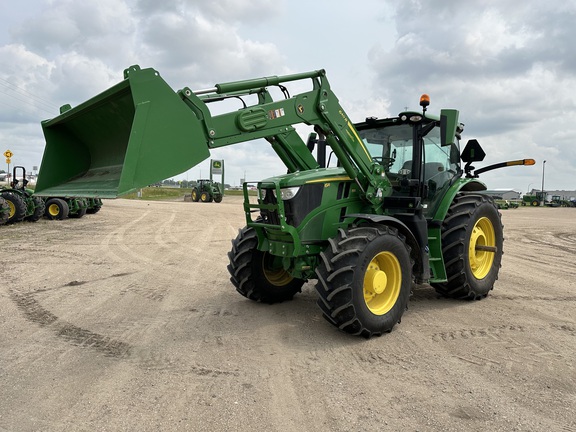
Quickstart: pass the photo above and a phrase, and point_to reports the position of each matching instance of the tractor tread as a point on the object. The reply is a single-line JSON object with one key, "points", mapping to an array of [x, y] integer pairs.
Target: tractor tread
{"points": [[338, 263], [463, 213]]}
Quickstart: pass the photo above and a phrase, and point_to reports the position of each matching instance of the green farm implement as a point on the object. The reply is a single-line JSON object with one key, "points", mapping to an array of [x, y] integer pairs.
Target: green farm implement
{"points": [[207, 190], [366, 210]]}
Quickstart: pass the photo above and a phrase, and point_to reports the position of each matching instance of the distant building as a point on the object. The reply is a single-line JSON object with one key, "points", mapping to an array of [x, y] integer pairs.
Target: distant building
{"points": [[504, 194]]}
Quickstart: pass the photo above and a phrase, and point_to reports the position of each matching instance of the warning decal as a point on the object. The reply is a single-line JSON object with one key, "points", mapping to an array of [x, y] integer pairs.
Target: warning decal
{"points": [[272, 114]]}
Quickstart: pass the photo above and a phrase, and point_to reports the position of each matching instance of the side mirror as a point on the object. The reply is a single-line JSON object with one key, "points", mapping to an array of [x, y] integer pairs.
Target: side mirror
{"points": [[448, 126]]}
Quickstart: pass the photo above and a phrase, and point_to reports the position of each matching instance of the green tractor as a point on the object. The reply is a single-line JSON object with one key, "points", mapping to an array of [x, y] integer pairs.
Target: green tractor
{"points": [[365, 210], [22, 204], [58, 208], [533, 200], [207, 191]]}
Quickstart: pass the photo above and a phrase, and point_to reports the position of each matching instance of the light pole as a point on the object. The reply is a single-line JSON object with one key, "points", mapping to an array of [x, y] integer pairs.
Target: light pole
{"points": [[543, 198], [528, 191]]}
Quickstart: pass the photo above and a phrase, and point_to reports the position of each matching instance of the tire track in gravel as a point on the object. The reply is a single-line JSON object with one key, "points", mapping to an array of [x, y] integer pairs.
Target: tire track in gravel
{"points": [[512, 347], [119, 247], [144, 358]]}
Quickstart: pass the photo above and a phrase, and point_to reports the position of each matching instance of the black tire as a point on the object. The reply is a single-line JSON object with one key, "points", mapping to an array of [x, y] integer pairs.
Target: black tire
{"points": [[39, 208], [205, 197], [217, 198], [535, 203], [195, 195], [258, 275], [16, 205], [83, 207], [80, 213], [4, 211], [94, 205], [365, 279], [56, 209], [473, 222]]}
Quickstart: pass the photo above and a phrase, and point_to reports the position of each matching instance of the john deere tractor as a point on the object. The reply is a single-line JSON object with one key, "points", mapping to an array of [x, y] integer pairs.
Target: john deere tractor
{"points": [[207, 191], [365, 210], [22, 204]]}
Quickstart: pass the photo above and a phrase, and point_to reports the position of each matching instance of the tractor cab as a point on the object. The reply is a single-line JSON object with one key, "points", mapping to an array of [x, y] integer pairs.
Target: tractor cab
{"points": [[415, 158]]}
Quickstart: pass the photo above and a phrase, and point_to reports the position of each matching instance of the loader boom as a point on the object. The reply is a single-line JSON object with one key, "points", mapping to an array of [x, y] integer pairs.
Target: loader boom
{"points": [[141, 131]]}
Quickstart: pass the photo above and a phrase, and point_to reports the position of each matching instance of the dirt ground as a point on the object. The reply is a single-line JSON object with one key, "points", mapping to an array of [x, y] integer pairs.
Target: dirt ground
{"points": [[126, 321]]}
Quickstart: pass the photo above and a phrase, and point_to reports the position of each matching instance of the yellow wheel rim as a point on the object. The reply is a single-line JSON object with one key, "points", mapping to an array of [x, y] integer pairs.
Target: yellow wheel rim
{"points": [[382, 282], [54, 210], [481, 248], [11, 208], [275, 275], [194, 195]]}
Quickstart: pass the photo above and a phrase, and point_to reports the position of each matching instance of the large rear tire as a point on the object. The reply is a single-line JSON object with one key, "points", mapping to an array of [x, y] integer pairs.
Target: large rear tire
{"points": [[365, 280], [16, 206], [258, 275], [195, 195], [472, 239]]}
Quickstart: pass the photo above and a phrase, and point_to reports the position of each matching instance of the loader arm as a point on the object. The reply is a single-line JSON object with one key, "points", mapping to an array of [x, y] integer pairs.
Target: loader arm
{"points": [[141, 131]]}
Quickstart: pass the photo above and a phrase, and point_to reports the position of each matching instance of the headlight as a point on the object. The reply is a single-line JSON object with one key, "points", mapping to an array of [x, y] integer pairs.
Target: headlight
{"points": [[289, 193]]}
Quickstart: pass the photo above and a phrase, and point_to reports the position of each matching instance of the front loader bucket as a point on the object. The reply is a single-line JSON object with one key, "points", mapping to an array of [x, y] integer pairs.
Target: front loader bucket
{"points": [[134, 134]]}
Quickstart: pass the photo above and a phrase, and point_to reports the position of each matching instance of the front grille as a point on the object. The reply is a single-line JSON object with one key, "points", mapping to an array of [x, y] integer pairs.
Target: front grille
{"points": [[307, 199]]}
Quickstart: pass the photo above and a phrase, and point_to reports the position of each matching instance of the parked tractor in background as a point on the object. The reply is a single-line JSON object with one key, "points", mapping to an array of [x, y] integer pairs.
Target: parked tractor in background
{"points": [[207, 191], [58, 208], [22, 204], [397, 208], [533, 199]]}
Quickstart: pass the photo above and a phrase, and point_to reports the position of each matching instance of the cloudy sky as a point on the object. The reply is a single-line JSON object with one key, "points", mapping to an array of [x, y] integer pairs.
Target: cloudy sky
{"points": [[508, 66]]}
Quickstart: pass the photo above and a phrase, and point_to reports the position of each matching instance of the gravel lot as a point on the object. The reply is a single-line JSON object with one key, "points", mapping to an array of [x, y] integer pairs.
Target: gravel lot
{"points": [[126, 320]]}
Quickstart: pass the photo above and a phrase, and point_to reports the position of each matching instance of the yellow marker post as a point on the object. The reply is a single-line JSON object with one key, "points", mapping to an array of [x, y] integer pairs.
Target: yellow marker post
{"points": [[8, 155]]}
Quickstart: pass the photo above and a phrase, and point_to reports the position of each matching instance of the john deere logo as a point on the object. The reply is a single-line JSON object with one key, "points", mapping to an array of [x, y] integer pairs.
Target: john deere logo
{"points": [[217, 164]]}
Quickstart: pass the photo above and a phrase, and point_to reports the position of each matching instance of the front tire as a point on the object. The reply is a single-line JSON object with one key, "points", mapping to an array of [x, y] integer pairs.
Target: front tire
{"points": [[82, 208], [205, 197], [472, 239], [258, 275], [56, 209], [365, 280], [39, 208]]}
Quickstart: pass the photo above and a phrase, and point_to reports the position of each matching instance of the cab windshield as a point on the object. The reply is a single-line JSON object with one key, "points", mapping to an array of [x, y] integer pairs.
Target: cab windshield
{"points": [[392, 147]]}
